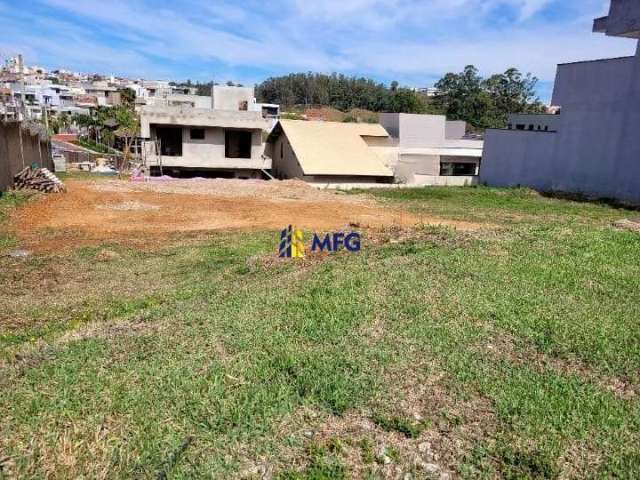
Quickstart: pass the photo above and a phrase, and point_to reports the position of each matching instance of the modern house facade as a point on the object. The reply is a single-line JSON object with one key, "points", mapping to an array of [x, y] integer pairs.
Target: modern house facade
{"points": [[429, 150], [592, 146], [404, 149]]}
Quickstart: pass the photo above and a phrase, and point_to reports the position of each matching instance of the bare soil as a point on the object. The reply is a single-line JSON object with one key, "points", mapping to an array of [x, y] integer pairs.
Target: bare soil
{"points": [[146, 213]]}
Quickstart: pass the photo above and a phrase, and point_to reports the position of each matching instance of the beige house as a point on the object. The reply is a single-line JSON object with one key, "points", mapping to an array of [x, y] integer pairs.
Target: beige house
{"points": [[329, 154]]}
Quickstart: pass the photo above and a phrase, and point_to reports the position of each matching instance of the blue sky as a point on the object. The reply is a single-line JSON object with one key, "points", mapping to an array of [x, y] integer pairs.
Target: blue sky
{"points": [[412, 41]]}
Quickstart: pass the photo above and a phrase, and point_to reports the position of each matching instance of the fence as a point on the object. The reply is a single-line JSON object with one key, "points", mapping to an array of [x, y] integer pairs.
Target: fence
{"points": [[22, 145]]}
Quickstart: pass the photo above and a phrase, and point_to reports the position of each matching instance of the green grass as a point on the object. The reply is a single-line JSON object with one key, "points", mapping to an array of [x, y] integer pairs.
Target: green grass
{"points": [[93, 145], [408, 427], [80, 175], [527, 330], [9, 201]]}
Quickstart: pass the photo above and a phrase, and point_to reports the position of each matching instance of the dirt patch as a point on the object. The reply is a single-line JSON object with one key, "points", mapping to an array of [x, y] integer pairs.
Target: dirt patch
{"points": [[109, 330], [505, 346], [632, 225], [128, 206], [369, 449], [146, 213]]}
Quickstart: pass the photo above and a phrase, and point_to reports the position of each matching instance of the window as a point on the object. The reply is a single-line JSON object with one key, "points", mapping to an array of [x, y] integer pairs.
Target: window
{"points": [[519, 126], [269, 112], [531, 127], [197, 134], [170, 139], [450, 169], [237, 144]]}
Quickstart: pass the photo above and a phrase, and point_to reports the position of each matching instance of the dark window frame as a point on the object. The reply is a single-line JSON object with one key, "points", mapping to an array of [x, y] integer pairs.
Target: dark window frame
{"points": [[458, 169], [171, 141], [238, 144], [197, 137]]}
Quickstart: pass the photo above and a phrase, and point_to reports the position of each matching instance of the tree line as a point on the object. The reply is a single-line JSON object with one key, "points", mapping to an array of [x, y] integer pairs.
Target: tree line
{"points": [[338, 91], [481, 102]]}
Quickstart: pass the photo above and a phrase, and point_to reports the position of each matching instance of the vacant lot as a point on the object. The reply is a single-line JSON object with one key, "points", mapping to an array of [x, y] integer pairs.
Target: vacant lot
{"points": [[153, 333], [146, 214]]}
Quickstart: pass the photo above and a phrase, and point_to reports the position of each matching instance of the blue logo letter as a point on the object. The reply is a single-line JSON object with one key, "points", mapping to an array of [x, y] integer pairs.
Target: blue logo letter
{"points": [[352, 242], [321, 245], [338, 241]]}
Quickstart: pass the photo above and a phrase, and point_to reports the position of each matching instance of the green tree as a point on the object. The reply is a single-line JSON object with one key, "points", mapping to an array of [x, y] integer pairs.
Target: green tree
{"points": [[128, 97], [340, 92], [59, 123], [127, 131], [486, 103]]}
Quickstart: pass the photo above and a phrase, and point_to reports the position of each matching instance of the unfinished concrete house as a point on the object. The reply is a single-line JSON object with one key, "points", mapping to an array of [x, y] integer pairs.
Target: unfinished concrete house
{"points": [[227, 98], [429, 150], [592, 147], [186, 142], [329, 154]]}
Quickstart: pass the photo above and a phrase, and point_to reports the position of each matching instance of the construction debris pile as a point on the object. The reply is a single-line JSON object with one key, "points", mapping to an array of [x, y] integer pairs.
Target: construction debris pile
{"points": [[40, 179]]}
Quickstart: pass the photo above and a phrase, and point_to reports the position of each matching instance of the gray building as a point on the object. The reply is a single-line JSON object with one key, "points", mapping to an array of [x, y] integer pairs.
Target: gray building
{"points": [[592, 146], [429, 150]]}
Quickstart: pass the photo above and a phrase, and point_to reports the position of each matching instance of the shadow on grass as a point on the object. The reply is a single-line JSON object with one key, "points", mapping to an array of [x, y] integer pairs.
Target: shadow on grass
{"points": [[599, 201]]}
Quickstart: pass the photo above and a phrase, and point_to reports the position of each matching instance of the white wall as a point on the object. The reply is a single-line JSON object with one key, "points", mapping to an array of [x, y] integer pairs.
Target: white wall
{"points": [[229, 98], [438, 181], [210, 152], [409, 166], [455, 130], [422, 130]]}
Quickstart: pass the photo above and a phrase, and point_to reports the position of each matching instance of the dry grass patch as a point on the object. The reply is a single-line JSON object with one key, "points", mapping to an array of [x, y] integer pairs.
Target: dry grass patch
{"points": [[522, 354], [417, 430]]}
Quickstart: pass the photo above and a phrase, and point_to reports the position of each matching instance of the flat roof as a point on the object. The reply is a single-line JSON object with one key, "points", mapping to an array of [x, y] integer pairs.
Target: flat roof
{"points": [[200, 117], [597, 60]]}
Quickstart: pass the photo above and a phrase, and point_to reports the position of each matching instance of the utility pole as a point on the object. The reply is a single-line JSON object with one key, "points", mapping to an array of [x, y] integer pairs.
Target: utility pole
{"points": [[46, 117], [213, 93], [23, 96]]}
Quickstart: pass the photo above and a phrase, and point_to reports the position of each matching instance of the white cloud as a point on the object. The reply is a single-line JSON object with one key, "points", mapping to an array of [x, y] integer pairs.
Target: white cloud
{"points": [[495, 52], [402, 39]]}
